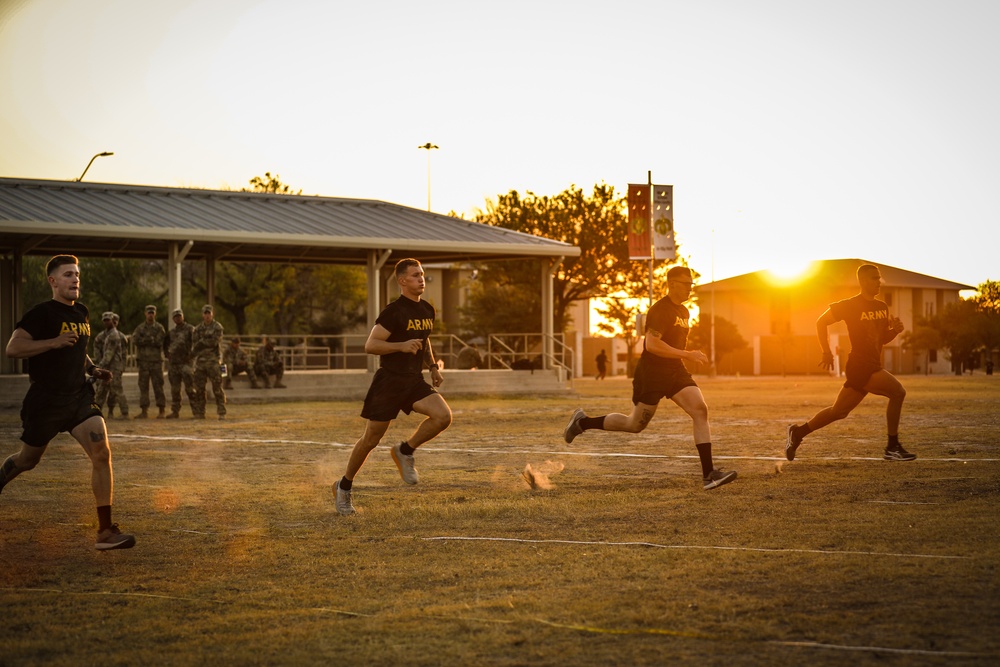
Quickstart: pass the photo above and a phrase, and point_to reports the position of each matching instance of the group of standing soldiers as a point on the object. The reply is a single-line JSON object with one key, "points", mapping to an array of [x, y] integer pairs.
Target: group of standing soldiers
{"points": [[193, 356]]}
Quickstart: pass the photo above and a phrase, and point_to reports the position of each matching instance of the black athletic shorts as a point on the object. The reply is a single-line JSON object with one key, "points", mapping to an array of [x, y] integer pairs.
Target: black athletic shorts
{"points": [[45, 415], [858, 374], [649, 386], [391, 392]]}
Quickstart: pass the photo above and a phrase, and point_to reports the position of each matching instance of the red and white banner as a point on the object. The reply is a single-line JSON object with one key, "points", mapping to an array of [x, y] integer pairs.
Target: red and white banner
{"points": [[639, 239]]}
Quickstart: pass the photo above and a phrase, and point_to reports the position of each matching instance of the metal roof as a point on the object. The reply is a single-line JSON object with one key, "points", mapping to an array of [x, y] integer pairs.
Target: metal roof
{"points": [[837, 273], [115, 220]]}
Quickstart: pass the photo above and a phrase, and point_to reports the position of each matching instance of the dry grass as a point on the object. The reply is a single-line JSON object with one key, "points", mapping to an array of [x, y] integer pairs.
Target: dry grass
{"points": [[241, 557]]}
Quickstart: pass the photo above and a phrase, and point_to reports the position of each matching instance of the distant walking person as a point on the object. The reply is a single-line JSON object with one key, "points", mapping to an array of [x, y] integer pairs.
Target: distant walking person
{"points": [[602, 365], [207, 351], [53, 337], [401, 337], [179, 356], [869, 327], [148, 338], [660, 373]]}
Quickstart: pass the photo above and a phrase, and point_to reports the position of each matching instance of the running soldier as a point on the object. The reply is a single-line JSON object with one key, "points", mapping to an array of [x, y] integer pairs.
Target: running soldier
{"points": [[179, 371], [660, 374], [53, 337], [401, 337], [206, 348], [869, 327], [113, 359], [148, 338]]}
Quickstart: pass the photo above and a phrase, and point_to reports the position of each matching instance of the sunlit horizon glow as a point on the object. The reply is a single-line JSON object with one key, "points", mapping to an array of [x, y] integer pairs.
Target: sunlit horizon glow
{"points": [[777, 123]]}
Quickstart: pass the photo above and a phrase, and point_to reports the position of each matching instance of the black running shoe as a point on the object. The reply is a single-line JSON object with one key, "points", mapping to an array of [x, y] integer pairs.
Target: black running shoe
{"points": [[898, 454], [112, 538], [791, 443]]}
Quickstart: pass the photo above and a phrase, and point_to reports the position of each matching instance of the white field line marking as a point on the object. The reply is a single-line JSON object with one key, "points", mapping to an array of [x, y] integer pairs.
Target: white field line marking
{"points": [[534, 452], [898, 502], [880, 649], [830, 552]]}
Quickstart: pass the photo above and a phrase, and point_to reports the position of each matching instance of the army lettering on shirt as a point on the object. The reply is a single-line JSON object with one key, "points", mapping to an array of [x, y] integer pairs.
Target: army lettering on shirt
{"points": [[59, 371], [867, 325], [406, 319], [673, 322]]}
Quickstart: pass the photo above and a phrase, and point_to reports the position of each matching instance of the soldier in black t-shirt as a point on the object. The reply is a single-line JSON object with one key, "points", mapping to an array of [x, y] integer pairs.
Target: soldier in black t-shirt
{"points": [[869, 326], [660, 374], [401, 337], [53, 337]]}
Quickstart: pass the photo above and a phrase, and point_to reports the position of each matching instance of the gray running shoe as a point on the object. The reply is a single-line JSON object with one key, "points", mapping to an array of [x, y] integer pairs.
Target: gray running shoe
{"points": [[899, 454], [573, 427], [343, 501], [717, 478], [405, 464], [112, 538], [791, 444]]}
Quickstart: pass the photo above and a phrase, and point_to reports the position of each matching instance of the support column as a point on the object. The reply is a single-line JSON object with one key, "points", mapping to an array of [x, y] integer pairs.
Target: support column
{"points": [[373, 269], [175, 261]]}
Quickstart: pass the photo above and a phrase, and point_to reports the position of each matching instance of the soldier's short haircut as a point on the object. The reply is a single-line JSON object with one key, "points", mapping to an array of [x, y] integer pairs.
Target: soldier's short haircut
{"points": [[403, 265], [866, 268], [59, 260]]}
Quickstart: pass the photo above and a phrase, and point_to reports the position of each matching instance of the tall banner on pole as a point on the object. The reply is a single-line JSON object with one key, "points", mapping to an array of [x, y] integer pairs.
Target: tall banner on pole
{"points": [[663, 222], [639, 219]]}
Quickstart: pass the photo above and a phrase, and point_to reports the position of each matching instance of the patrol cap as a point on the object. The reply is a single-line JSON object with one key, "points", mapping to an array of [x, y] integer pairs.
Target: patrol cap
{"points": [[115, 317], [107, 315], [207, 308], [177, 311], [150, 308]]}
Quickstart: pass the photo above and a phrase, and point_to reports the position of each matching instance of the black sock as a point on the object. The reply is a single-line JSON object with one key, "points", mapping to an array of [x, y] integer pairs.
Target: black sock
{"points": [[705, 454], [588, 423], [345, 484], [405, 449], [799, 432], [893, 442], [103, 517]]}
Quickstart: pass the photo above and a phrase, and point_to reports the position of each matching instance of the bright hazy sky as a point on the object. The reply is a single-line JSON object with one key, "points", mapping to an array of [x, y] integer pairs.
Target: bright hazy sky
{"points": [[795, 129]]}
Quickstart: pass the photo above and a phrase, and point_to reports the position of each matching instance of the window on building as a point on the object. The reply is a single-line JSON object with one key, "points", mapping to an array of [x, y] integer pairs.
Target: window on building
{"points": [[932, 356], [928, 310]]}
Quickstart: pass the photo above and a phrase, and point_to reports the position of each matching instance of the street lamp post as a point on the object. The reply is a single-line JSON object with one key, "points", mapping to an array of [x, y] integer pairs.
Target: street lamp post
{"points": [[428, 147], [104, 154]]}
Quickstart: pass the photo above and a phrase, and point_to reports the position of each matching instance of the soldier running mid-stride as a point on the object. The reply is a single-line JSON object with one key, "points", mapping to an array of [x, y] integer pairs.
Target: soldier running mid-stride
{"points": [[53, 337], [401, 337], [869, 327], [660, 374]]}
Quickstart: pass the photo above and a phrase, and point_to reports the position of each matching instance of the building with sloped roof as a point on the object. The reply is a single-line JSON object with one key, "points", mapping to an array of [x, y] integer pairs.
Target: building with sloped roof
{"points": [[42, 217], [777, 316]]}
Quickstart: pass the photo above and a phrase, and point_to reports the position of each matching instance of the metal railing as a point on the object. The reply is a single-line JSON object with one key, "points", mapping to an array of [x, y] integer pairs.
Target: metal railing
{"points": [[347, 351]]}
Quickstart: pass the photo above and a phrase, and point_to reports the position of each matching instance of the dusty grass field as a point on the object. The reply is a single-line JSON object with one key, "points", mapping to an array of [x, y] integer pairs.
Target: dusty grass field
{"points": [[837, 558]]}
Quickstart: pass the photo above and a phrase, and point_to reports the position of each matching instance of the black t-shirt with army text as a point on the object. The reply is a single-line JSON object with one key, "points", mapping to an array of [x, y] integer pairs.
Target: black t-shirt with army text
{"points": [[671, 320], [59, 371], [867, 326], [406, 319]]}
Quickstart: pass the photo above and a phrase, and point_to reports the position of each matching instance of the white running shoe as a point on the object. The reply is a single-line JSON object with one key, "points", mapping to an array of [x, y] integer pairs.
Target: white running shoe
{"points": [[405, 464]]}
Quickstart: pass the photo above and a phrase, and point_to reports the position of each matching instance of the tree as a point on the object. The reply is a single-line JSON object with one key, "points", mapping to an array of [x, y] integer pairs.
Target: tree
{"points": [[923, 338], [620, 320], [287, 299], [597, 224], [970, 326], [727, 336]]}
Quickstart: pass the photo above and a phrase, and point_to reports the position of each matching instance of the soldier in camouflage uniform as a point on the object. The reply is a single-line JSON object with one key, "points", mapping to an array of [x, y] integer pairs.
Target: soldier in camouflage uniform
{"points": [[148, 338], [113, 359], [177, 347], [207, 347], [267, 363], [237, 361]]}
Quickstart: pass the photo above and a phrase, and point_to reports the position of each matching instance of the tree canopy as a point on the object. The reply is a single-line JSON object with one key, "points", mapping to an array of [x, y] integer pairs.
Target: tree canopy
{"points": [[506, 293]]}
